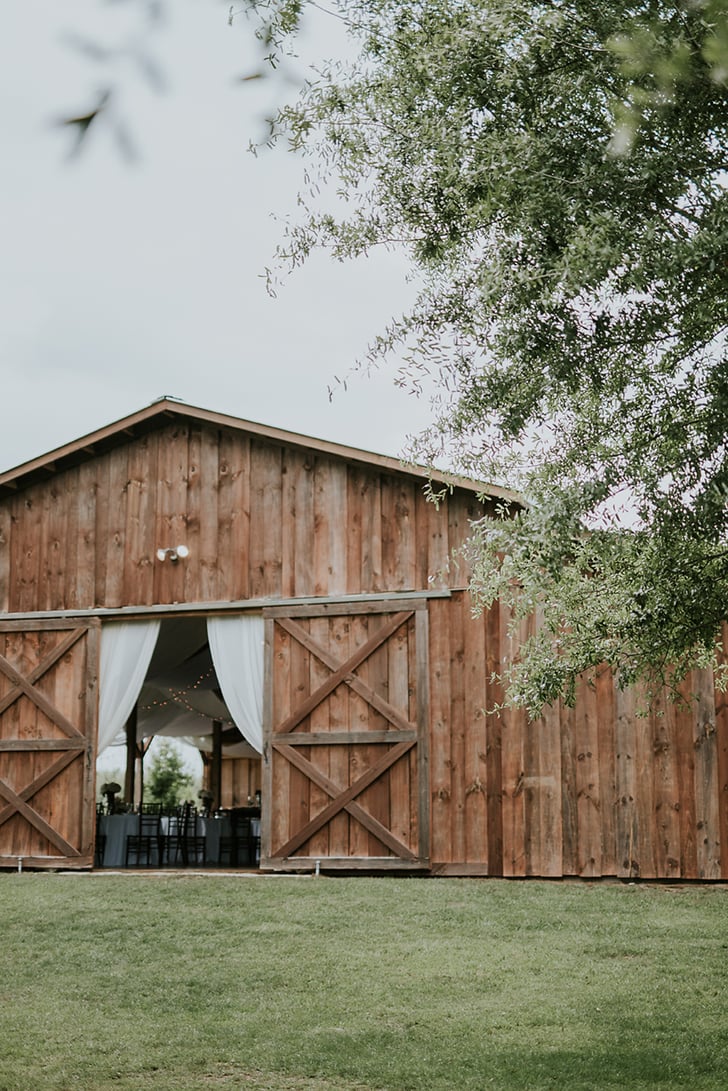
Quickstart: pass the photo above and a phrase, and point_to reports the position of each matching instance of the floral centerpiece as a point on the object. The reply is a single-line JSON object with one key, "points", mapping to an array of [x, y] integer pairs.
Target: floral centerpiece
{"points": [[109, 791], [205, 797]]}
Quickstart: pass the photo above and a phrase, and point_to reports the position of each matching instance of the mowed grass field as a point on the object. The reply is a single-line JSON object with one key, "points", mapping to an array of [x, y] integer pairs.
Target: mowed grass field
{"points": [[183, 982]]}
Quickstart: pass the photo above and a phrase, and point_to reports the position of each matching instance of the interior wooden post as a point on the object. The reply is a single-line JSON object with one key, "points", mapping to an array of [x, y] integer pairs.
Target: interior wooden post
{"points": [[131, 755], [216, 768], [141, 750]]}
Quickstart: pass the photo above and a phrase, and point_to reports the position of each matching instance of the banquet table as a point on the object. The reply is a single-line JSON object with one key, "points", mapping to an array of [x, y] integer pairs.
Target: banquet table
{"points": [[217, 827], [117, 827]]}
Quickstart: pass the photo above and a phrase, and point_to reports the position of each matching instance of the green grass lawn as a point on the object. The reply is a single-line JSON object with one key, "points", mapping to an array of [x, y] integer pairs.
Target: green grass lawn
{"points": [[183, 983]]}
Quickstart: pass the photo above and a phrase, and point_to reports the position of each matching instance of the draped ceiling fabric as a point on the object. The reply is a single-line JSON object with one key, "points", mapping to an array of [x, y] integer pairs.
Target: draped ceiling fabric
{"points": [[236, 644], [126, 651]]}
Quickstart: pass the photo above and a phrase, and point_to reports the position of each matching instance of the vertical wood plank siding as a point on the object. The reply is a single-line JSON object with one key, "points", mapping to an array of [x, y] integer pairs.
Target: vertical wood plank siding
{"points": [[259, 520], [240, 781], [597, 790]]}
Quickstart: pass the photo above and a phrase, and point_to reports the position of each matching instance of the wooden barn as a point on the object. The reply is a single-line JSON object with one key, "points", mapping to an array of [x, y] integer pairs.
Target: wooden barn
{"points": [[315, 585]]}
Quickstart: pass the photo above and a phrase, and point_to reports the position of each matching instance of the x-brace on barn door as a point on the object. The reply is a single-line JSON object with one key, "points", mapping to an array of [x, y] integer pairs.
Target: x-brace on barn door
{"points": [[48, 724], [345, 747]]}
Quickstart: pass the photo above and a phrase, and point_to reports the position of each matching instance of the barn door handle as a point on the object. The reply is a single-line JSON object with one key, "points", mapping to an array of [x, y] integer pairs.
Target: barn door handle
{"points": [[265, 752]]}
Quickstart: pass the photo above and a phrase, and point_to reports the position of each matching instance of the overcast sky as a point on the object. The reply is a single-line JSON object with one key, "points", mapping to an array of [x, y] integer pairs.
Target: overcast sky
{"points": [[124, 281]]}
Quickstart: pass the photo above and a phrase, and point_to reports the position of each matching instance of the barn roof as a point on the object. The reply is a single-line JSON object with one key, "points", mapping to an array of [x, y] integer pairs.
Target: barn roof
{"points": [[166, 410]]}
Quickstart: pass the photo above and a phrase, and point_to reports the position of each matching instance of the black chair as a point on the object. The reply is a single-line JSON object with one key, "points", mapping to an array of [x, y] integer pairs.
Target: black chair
{"points": [[185, 845], [100, 841], [240, 846], [146, 845]]}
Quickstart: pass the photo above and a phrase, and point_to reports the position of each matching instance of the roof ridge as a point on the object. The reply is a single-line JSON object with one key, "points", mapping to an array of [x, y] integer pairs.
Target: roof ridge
{"points": [[169, 406]]}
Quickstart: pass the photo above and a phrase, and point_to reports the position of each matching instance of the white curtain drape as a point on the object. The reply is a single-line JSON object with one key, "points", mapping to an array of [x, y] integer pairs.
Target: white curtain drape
{"points": [[126, 650], [236, 645]]}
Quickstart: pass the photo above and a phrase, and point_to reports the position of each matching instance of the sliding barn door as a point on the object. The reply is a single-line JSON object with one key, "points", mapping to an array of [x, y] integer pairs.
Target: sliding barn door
{"points": [[345, 746], [48, 715]]}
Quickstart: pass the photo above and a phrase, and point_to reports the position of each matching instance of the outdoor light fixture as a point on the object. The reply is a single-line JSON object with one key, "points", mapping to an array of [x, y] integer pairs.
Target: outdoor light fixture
{"points": [[173, 554]]}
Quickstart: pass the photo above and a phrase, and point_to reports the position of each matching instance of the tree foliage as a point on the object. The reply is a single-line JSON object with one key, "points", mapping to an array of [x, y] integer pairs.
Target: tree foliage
{"points": [[557, 173], [167, 782]]}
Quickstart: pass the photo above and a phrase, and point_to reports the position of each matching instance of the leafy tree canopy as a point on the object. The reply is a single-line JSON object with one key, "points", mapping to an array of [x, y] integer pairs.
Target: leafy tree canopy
{"points": [[167, 782], [557, 173]]}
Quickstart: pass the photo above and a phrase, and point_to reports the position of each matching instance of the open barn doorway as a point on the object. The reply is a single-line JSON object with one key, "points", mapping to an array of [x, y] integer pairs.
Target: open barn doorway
{"points": [[180, 703]]}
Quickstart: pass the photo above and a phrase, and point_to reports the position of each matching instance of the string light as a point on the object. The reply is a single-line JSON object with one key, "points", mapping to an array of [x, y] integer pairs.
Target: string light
{"points": [[179, 698]]}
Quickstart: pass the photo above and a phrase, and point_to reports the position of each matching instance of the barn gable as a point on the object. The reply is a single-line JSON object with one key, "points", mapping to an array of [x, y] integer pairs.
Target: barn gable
{"points": [[264, 513]]}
